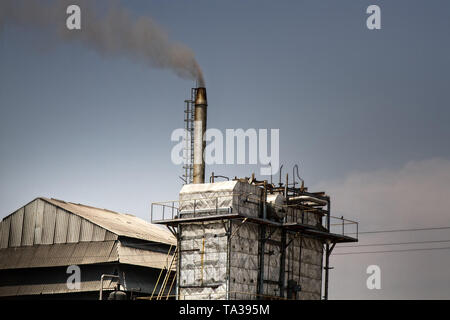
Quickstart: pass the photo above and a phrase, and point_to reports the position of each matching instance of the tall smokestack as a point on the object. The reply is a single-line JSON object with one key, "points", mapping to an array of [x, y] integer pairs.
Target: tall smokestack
{"points": [[199, 133]]}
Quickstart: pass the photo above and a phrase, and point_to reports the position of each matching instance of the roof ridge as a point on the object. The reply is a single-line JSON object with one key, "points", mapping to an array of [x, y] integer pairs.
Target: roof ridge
{"points": [[88, 206], [121, 224], [92, 207]]}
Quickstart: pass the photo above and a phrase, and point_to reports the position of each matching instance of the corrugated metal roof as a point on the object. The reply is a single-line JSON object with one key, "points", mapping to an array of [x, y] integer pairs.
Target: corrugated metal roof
{"points": [[121, 224], [52, 288], [58, 255], [145, 258], [80, 253], [36, 259]]}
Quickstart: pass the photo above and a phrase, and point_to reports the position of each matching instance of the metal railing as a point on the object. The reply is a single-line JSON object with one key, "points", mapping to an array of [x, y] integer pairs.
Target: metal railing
{"points": [[165, 208], [344, 227], [171, 210]]}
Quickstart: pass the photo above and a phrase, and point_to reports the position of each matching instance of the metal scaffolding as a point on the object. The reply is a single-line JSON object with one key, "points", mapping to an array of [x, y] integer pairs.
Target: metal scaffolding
{"points": [[328, 232], [188, 152]]}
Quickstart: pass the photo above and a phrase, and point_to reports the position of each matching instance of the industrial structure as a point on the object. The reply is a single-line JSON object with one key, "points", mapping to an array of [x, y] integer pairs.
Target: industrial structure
{"points": [[41, 240], [244, 238], [238, 239]]}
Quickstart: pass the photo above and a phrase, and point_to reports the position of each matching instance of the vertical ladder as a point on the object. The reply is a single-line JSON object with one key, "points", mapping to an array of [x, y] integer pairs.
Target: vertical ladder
{"points": [[189, 114], [167, 276]]}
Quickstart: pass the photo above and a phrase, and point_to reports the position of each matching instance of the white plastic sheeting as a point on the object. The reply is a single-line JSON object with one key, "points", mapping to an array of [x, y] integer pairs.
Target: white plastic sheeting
{"points": [[215, 264]]}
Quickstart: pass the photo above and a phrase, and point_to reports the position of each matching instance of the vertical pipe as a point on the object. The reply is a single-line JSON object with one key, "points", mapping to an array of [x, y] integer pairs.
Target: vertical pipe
{"points": [[199, 133], [327, 253], [327, 268], [202, 262], [265, 200], [328, 214], [178, 271], [230, 224], [286, 189], [262, 246], [282, 262]]}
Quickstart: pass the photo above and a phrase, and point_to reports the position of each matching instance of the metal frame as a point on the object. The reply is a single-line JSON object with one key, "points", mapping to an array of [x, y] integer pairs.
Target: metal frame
{"points": [[112, 276], [189, 112], [323, 232]]}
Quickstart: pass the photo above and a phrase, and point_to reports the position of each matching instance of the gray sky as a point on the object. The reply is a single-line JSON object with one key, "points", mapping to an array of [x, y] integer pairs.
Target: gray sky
{"points": [[365, 113]]}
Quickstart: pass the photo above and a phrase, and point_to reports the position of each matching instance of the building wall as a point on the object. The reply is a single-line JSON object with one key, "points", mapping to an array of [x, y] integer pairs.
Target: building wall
{"points": [[40, 222], [203, 261], [220, 259], [51, 282]]}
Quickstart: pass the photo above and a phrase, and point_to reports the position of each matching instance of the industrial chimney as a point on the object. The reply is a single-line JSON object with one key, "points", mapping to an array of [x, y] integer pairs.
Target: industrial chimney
{"points": [[199, 133]]}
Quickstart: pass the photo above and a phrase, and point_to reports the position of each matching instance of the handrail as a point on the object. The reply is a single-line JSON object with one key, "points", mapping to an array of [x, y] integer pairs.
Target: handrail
{"points": [[175, 209]]}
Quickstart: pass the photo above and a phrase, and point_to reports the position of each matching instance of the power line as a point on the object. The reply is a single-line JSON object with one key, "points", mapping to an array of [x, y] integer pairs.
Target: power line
{"points": [[392, 244], [404, 230], [387, 251]]}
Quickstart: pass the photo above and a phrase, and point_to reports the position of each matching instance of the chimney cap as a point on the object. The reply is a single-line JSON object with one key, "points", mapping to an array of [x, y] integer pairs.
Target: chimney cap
{"points": [[200, 97]]}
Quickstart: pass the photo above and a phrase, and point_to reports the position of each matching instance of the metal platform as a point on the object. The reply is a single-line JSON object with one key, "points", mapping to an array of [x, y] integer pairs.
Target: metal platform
{"points": [[211, 215]]}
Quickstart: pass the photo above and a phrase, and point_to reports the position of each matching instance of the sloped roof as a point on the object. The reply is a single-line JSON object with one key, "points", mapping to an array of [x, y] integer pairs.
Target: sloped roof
{"points": [[57, 255], [44, 287], [119, 223], [80, 253]]}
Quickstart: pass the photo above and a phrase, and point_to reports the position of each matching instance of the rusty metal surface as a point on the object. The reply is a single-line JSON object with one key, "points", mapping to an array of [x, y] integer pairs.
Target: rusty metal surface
{"points": [[199, 132], [118, 223], [145, 258], [58, 255], [49, 221], [81, 253]]}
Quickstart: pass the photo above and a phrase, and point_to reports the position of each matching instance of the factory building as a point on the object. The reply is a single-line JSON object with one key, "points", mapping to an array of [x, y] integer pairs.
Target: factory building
{"points": [[41, 240], [244, 238], [241, 239]]}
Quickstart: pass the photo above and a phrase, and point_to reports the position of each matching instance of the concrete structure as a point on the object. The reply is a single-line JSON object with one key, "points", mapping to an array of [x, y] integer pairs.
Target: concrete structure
{"points": [[247, 239], [41, 239]]}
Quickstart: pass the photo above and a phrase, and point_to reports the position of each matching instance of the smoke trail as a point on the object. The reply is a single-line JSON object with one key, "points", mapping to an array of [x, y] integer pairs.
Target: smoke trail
{"points": [[115, 32]]}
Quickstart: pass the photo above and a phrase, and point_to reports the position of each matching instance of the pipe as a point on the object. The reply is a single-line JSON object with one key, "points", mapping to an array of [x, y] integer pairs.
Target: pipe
{"points": [[101, 283], [298, 176], [262, 245], [310, 199], [286, 189], [199, 134], [279, 183]]}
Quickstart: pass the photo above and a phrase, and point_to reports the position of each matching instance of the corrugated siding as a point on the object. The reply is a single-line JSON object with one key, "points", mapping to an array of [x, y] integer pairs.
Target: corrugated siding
{"points": [[98, 234], [86, 230], [54, 288], [42, 222], [62, 224], [120, 224], [97, 250], [15, 236], [58, 255], [48, 229], [39, 223], [73, 234], [110, 236], [5, 224], [145, 258], [29, 220]]}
